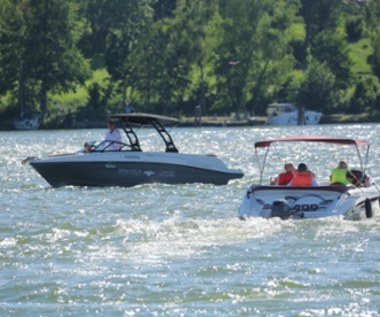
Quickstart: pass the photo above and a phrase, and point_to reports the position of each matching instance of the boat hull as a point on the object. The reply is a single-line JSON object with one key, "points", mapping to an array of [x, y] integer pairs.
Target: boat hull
{"points": [[311, 118], [97, 170], [287, 202]]}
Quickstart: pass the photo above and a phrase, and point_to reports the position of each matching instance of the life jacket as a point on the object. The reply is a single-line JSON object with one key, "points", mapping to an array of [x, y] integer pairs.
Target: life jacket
{"points": [[302, 179], [285, 178], [339, 175]]}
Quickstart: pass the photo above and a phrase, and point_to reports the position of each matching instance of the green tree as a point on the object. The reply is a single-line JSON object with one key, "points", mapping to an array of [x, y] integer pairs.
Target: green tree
{"points": [[188, 51], [331, 49], [366, 95], [169, 62], [372, 15], [11, 38], [131, 22], [164, 9], [372, 18], [14, 77], [254, 55], [318, 90], [98, 16], [52, 59], [318, 16], [38, 52]]}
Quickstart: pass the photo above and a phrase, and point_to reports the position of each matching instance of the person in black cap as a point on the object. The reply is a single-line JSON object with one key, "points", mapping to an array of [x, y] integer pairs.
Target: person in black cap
{"points": [[303, 177]]}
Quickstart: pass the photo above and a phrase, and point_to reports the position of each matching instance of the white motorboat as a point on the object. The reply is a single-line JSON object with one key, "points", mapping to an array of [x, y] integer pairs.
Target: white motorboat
{"points": [[129, 165], [27, 121], [289, 114], [357, 200]]}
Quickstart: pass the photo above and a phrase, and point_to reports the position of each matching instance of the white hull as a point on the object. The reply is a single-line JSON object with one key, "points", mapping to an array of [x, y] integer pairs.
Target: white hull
{"points": [[27, 121], [289, 114], [291, 118], [26, 124], [285, 202]]}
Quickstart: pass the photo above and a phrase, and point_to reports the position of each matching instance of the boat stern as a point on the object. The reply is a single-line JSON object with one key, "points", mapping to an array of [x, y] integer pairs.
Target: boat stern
{"points": [[297, 202]]}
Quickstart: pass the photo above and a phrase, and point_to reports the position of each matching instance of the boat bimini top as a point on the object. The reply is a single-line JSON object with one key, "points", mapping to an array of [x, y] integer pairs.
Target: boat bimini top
{"points": [[362, 155], [144, 119]]}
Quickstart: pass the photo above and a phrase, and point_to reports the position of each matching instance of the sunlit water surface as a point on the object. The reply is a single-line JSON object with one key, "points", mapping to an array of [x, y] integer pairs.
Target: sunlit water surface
{"points": [[161, 250]]}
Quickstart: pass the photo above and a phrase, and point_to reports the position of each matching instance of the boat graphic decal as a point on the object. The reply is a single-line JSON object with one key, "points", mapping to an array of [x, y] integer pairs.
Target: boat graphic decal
{"points": [[130, 171], [167, 173], [149, 173], [308, 203], [303, 203]]}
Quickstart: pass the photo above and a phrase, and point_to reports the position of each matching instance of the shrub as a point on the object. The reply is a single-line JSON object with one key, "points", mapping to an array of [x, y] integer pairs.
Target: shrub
{"points": [[354, 28], [366, 94]]}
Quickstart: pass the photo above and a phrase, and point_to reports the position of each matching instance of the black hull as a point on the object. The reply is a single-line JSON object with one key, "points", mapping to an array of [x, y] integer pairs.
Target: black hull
{"points": [[127, 174]]}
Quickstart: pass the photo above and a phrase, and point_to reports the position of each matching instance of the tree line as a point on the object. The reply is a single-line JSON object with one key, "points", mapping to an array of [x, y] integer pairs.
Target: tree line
{"points": [[167, 56]]}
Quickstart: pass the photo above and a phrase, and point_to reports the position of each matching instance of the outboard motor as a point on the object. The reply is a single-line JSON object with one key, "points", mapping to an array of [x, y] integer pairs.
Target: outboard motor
{"points": [[280, 208]]}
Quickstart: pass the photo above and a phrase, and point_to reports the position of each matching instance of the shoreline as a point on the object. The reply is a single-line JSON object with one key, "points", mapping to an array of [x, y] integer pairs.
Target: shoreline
{"points": [[207, 121], [189, 122]]}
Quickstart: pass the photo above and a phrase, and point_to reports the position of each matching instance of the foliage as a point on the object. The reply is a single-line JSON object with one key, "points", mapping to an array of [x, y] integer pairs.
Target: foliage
{"points": [[317, 91], [367, 92], [360, 55], [42, 48], [355, 28], [376, 56], [167, 56], [319, 16], [253, 55], [331, 49]]}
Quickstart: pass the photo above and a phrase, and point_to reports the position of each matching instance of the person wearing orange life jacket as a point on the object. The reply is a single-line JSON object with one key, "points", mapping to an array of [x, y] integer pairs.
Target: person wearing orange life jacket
{"points": [[303, 177]]}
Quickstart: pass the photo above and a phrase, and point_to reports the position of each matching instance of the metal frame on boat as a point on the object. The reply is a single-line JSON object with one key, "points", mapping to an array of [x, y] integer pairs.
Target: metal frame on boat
{"points": [[130, 165], [353, 201]]}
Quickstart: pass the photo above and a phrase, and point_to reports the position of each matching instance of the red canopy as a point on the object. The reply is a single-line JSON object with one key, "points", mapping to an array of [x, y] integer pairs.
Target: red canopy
{"points": [[311, 138]]}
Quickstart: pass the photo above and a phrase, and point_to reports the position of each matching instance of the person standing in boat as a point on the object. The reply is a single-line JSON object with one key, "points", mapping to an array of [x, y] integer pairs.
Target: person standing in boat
{"points": [[303, 177], [113, 136]]}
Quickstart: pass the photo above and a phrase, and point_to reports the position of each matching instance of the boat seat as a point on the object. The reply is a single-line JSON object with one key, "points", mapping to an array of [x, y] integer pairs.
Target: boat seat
{"points": [[356, 178]]}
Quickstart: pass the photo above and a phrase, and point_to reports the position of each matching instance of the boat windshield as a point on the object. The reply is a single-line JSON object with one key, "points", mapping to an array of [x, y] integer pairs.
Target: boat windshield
{"points": [[278, 108]]}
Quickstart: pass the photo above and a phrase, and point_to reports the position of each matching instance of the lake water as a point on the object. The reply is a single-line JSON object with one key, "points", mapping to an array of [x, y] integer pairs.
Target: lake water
{"points": [[161, 250]]}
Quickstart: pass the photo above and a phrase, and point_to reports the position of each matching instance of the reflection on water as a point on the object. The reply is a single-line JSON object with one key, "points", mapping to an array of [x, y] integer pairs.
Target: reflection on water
{"points": [[162, 250]]}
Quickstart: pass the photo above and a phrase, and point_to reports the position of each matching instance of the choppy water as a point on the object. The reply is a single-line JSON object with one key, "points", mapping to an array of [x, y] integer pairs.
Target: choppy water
{"points": [[161, 250]]}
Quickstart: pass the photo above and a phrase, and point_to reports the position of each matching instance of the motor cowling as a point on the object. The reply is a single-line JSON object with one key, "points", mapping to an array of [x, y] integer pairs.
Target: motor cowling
{"points": [[280, 208]]}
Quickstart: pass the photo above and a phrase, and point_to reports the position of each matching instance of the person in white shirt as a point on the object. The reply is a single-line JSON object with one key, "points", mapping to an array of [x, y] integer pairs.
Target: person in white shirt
{"points": [[113, 134]]}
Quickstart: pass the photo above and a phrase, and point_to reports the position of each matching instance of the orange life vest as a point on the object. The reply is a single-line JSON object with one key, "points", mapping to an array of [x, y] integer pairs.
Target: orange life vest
{"points": [[302, 179]]}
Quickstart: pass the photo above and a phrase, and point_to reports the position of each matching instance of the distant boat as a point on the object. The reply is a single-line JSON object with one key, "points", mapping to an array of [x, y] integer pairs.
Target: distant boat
{"points": [[289, 114], [28, 121]]}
